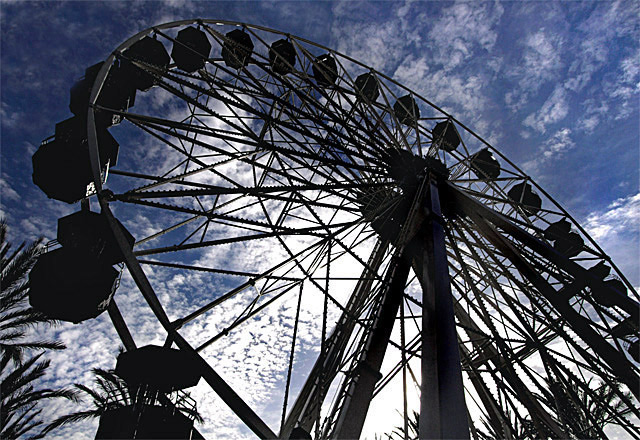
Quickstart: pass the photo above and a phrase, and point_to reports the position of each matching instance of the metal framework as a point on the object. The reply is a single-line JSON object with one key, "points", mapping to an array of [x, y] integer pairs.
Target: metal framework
{"points": [[260, 189]]}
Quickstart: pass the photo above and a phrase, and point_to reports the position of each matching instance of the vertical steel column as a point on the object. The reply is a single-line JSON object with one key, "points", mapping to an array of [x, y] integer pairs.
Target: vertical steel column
{"points": [[360, 391], [443, 412]]}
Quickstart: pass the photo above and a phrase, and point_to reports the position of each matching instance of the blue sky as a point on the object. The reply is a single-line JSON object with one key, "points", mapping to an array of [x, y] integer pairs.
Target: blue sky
{"points": [[554, 86]]}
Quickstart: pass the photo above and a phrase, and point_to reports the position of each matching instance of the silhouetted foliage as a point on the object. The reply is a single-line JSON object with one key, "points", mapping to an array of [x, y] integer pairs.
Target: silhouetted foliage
{"points": [[19, 414], [16, 316], [581, 415], [19, 411], [110, 392]]}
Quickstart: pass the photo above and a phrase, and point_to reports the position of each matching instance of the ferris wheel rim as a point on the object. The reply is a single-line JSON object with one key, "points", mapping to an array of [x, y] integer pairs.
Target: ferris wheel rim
{"points": [[132, 261], [101, 76]]}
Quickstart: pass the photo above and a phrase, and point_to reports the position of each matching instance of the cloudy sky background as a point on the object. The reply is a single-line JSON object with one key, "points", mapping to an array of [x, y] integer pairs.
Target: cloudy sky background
{"points": [[554, 86]]}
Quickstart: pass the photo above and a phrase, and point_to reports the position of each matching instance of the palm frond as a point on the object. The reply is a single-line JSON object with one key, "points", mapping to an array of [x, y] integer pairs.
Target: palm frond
{"points": [[17, 266], [21, 425], [72, 418], [9, 383], [24, 318], [20, 414], [98, 399], [111, 391]]}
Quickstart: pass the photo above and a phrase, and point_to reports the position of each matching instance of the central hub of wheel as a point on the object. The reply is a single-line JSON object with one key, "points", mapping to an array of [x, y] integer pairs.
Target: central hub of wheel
{"points": [[408, 170], [388, 208]]}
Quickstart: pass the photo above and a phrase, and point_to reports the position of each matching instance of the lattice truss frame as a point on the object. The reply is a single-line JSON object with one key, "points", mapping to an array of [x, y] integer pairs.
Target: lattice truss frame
{"points": [[256, 179]]}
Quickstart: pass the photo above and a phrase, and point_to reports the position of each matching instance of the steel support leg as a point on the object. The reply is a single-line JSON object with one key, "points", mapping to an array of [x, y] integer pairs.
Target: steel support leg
{"points": [[443, 412], [360, 391], [303, 412]]}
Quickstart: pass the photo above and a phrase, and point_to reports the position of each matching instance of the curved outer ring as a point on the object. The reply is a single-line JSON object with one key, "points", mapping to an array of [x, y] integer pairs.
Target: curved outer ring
{"points": [[130, 260], [105, 69]]}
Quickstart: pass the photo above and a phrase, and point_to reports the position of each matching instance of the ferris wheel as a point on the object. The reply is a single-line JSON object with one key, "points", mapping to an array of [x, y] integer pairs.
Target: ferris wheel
{"points": [[279, 187]]}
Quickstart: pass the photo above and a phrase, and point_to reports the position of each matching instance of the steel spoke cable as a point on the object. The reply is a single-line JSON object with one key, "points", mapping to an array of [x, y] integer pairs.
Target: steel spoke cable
{"points": [[291, 356], [535, 410], [244, 107], [554, 322], [242, 319]]}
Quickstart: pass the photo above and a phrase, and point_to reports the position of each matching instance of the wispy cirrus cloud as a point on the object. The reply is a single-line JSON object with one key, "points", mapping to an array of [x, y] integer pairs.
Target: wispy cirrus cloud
{"points": [[617, 230], [554, 110], [553, 148], [464, 31], [540, 62]]}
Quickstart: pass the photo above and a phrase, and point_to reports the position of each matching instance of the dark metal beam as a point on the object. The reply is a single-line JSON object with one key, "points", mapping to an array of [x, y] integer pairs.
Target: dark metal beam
{"points": [[303, 411], [367, 373], [120, 326], [443, 412], [616, 360], [468, 205]]}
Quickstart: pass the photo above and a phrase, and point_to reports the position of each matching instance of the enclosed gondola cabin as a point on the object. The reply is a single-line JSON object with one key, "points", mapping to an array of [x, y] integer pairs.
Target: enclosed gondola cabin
{"points": [[299, 433], [69, 286], [141, 59], [445, 136], [282, 57], [599, 271], [116, 94], [557, 230], [628, 327], [569, 244], [145, 422], [366, 86], [62, 167], [237, 49], [325, 70], [484, 165], [89, 232], [161, 368], [191, 49], [610, 292], [154, 406], [529, 201], [406, 110], [61, 173]]}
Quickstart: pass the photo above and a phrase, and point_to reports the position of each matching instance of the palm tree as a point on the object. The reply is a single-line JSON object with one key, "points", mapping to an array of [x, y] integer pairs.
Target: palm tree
{"points": [[585, 414], [19, 404], [19, 398], [582, 414], [113, 392], [413, 429], [16, 316]]}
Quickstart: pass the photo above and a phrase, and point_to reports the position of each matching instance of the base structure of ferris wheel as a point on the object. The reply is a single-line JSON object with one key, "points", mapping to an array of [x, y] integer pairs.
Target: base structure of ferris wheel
{"points": [[318, 177]]}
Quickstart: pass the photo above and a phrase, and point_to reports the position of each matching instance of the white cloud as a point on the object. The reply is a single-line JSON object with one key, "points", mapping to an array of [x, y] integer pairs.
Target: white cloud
{"points": [[617, 230], [540, 63], [6, 190], [552, 111], [558, 144], [588, 124], [381, 44], [553, 148], [460, 93], [623, 87], [463, 28], [9, 117], [621, 216]]}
